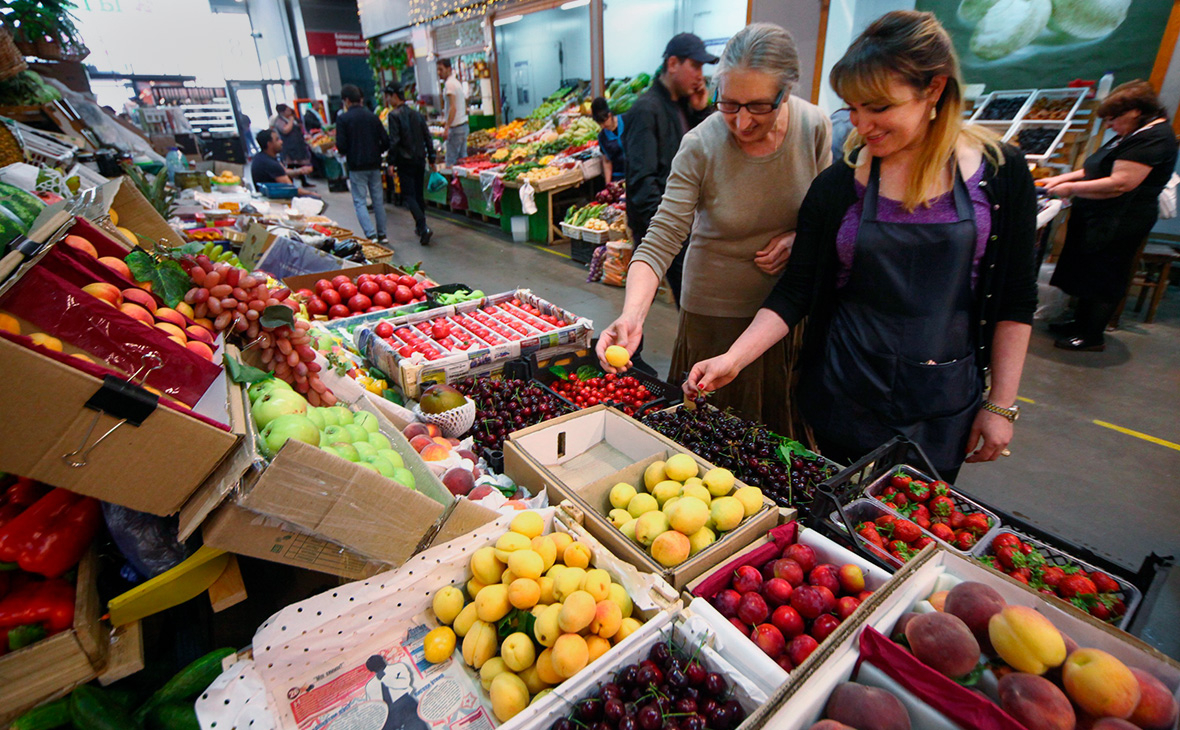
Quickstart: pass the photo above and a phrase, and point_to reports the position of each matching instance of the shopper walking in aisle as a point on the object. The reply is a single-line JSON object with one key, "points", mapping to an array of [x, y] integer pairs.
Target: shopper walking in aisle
{"points": [[362, 139], [614, 159], [296, 153], [455, 108], [734, 192], [913, 263], [410, 147], [1116, 205], [266, 168], [677, 102]]}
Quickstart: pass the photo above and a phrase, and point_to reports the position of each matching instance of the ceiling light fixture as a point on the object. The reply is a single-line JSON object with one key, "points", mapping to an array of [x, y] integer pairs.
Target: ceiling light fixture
{"points": [[505, 21], [574, 4]]}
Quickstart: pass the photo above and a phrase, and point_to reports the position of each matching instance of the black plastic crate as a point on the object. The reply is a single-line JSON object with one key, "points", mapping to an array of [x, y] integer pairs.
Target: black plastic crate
{"points": [[664, 393], [582, 252]]}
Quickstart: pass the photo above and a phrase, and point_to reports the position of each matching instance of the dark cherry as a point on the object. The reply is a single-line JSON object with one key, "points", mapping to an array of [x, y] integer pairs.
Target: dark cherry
{"points": [[627, 722], [649, 673], [685, 706], [590, 710], [660, 654], [628, 675], [735, 711], [721, 718], [613, 709], [715, 684], [676, 678], [708, 706], [564, 724], [664, 701], [692, 722], [691, 693], [610, 691], [695, 673], [601, 725], [649, 717], [672, 723], [635, 693]]}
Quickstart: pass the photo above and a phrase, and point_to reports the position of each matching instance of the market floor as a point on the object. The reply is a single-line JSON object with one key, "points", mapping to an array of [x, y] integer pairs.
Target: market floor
{"points": [[1097, 450]]}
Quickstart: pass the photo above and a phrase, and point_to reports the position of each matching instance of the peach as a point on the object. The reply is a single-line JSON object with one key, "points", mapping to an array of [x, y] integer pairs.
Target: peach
{"points": [[116, 264], [866, 707], [204, 323], [420, 442], [545, 669], [1026, 640], [415, 429], [46, 341], [198, 333], [442, 442], [1157, 708], [140, 297], [938, 600], [109, 293], [186, 311], [200, 348], [145, 285], [975, 603], [9, 324], [433, 430], [81, 244], [670, 548], [943, 642], [137, 312], [172, 330], [596, 646], [1100, 684], [178, 340], [171, 315], [434, 453], [830, 725], [1035, 702], [1113, 723]]}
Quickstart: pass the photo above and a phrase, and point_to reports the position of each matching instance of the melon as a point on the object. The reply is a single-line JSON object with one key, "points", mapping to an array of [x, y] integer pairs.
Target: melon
{"points": [[22, 206]]}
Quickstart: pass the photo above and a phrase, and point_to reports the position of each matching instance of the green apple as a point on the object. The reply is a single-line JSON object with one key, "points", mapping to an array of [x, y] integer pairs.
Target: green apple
{"points": [[330, 450], [391, 456], [286, 427], [364, 450], [367, 465], [343, 415], [346, 451], [403, 476], [379, 440], [358, 433], [316, 416], [329, 417], [262, 387], [338, 433], [366, 419], [277, 403], [383, 466]]}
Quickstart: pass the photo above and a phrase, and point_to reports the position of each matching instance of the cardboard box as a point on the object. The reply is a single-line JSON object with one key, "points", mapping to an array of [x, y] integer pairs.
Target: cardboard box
{"points": [[580, 456], [136, 214], [307, 281], [59, 663], [412, 377]]}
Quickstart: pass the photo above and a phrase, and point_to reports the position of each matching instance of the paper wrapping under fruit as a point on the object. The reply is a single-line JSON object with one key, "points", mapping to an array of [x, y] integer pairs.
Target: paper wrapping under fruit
{"points": [[719, 579], [58, 308], [310, 657]]}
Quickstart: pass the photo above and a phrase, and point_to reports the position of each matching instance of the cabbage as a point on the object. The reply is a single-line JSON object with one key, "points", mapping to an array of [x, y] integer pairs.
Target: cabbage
{"points": [[1088, 18], [1008, 26]]}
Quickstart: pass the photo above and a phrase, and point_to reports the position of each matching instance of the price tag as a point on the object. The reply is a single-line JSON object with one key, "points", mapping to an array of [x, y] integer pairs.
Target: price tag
{"points": [[255, 244]]}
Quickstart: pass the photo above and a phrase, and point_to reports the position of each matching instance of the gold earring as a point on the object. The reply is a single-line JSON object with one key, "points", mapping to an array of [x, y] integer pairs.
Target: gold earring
{"points": [[933, 113]]}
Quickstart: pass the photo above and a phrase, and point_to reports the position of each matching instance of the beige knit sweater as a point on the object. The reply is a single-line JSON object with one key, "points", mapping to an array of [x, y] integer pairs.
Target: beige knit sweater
{"points": [[729, 204]]}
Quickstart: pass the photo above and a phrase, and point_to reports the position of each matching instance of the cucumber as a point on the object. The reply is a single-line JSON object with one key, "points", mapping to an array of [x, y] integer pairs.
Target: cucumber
{"points": [[174, 716], [91, 708], [188, 682], [45, 717]]}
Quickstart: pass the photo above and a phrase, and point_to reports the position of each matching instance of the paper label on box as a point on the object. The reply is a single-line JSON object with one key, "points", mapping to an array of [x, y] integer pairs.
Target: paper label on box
{"points": [[253, 246]]}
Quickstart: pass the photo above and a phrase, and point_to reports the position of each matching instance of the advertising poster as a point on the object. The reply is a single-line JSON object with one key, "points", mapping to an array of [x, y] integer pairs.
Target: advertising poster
{"points": [[1029, 44]]}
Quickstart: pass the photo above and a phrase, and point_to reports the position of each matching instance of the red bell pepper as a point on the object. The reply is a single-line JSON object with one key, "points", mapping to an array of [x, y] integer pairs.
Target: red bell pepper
{"points": [[51, 536], [49, 603], [18, 496]]}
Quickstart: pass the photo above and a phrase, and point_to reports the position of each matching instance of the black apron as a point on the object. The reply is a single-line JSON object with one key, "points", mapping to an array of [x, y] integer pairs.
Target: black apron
{"points": [[899, 357]]}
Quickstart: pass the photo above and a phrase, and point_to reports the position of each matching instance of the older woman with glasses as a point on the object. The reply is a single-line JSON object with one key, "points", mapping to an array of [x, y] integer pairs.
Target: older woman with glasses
{"points": [[734, 194]]}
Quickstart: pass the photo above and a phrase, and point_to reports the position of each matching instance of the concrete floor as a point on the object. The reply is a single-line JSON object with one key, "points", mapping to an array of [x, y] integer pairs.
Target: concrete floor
{"points": [[1118, 494]]}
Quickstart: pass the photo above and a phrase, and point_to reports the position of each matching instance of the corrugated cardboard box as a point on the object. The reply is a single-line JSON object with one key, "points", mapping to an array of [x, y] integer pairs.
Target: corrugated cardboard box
{"points": [[138, 215]]}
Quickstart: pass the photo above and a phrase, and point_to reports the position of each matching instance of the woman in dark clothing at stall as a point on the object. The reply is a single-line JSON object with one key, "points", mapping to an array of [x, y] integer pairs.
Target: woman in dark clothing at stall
{"points": [[913, 260], [1116, 202]]}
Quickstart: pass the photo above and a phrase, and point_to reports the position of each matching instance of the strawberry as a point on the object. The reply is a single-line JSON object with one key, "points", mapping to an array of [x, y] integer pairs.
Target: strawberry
{"points": [[1004, 557], [918, 491], [942, 532], [1047, 592], [900, 481], [888, 491], [899, 500], [1005, 539], [920, 510], [1103, 582], [922, 542], [906, 531], [958, 521], [964, 540], [1076, 585], [977, 523], [1027, 548], [868, 531], [885, 521], [1099, 611], [1118, 608], [942, 506], [900, 550], [921, 521], [1022, 574], [940, 488], [1052, 575]]}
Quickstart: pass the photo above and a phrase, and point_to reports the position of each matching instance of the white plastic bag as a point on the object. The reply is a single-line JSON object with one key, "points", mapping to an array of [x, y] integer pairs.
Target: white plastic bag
{"points": [[527, 204], [1167, 199]]}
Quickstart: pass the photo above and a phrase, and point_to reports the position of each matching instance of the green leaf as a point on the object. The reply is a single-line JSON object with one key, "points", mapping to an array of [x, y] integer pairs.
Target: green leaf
{"points": [[413, 268], [242, 373], [5, 567], [516, 620], [586, 372], [277, 316], [972, 678], [141, 263], [560, 372], [1069, 569], [188, 249], [171, 283], [393, 396]]}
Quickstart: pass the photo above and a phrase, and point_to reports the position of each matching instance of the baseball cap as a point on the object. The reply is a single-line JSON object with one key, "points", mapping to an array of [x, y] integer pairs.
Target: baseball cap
{"points": [[687, 45]]}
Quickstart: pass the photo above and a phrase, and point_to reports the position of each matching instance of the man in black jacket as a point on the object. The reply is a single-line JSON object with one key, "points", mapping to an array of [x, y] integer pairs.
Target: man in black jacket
{"points": [[676, 102], [410, 146], [361, 138]]}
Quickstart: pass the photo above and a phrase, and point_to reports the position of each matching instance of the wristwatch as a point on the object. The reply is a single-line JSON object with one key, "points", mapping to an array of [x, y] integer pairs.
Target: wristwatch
{"points": [[1010, 413]]}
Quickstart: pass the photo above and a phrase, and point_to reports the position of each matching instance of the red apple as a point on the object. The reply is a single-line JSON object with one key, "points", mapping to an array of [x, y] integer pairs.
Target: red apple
{"points": [[752, 608], [846, 606], [800, 648], [747, 579], [777, 591], [369, 288], [331, 297], [740, 625], [321, 285], [336, 311], [340, 279], [359, 303], [347, 290], [785, 663], [402, 294], [788, 570], [824, 626], [317, 306], [407, 281], [383, 329], [808, 601], [769, 639], [788, 621], [826, 575], [726, 602], [382, 299], [804, 555], [852, 579]]}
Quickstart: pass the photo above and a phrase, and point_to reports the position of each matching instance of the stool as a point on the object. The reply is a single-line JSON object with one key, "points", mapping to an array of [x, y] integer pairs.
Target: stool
{"points": [[1152, 272]]}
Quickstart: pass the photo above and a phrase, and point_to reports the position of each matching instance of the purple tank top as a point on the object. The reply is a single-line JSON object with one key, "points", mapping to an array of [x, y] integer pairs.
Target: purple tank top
{"points": [[942, 210]]}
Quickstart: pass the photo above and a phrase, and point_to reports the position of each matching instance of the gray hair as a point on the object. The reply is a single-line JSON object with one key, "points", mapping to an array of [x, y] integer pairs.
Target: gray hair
{"points": [[763, 47]]}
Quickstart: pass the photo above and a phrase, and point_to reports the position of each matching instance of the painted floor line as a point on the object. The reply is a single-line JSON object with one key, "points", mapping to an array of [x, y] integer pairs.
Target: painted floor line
{"points": [[1025, 400], [1138, 434]]}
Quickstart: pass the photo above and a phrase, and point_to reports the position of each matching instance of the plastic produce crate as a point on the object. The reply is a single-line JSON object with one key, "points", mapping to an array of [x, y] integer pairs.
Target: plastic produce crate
{"points": [[664, 393], [963, 504]]}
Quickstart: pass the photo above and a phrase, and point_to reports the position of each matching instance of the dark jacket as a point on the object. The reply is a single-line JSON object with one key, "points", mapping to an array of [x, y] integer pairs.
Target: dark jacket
{"points": [[1005, 291], [651, 137], [409, 138], [361, 138]]}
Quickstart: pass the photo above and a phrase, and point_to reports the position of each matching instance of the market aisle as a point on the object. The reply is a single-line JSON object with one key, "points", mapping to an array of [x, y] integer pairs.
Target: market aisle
{"points": [[1110, 491]]}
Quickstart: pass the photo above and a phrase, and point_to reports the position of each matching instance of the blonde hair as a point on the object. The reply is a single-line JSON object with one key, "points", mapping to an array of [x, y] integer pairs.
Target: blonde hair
{"points": [[763, 47], [913, 47]]}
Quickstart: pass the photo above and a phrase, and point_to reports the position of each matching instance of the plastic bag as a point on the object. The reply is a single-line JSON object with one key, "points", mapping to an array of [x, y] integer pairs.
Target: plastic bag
{"points": [[436, 182], [458, 197], [527, 204], [148, 542]]}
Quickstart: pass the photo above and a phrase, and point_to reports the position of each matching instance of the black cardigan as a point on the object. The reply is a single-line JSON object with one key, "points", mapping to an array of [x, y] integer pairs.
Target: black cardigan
{"points": [[1006, 289]]}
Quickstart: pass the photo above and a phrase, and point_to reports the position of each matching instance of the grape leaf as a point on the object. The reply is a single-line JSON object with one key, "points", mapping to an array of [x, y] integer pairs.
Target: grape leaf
{"points": [[560, 372], [141, 264], [276, 316], [242, 373], [172, 283]]}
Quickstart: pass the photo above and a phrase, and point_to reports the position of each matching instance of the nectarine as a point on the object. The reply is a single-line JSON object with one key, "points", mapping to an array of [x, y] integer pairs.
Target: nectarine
{"points": [[172, 331], [1100, 684], [137, 312], [200, 348], [81, 244], [117, 264], [106, 292], [434, 452], [140, 297], [171, 315]]}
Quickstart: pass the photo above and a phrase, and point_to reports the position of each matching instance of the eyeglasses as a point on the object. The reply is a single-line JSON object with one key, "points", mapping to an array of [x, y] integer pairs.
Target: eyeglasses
{"points": [[754, 107]]}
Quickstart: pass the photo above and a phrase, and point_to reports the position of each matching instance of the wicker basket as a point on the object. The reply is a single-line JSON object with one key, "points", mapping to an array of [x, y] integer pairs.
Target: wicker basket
{"points": [[54, 51], [11, 149], [12, 61]]}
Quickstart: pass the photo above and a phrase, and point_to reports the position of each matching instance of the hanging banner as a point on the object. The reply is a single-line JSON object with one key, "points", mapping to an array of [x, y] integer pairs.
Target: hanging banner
{"points": [[320, 43], [1022, 44]]}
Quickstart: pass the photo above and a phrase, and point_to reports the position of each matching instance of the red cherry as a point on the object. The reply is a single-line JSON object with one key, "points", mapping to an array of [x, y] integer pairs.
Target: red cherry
{"points": [[331, 297]]}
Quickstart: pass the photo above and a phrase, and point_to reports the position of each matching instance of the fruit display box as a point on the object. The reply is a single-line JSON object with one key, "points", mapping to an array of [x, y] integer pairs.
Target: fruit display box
{"points": [[138, 215], [314, 644], [551, 371], [55, 665], [745, 654], [480, 327], [581, 456], [800, 702], [310, 283], [962, 503], [342, 502]]}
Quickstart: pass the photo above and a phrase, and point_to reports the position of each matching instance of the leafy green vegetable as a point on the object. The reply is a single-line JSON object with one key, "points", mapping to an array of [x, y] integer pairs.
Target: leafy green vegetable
{"points": [[27, 89]]}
